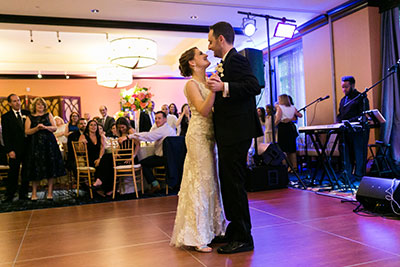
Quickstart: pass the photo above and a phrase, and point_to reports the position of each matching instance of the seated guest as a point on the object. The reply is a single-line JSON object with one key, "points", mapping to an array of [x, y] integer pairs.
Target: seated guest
{"points": [[183, 121], [106, 120], [72, 125], [114, 131], [127, 116], [95, 143], [156, 135], [123, 127], [73, 138], [171, 119], [60, 133], [355, 142]]}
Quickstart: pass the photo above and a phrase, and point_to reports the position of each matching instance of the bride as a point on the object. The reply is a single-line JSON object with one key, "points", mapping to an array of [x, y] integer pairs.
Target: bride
{"points": [[199, 216]]}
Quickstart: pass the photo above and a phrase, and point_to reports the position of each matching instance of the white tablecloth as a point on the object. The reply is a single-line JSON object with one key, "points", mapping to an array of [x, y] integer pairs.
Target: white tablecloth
{"points": [[145, 150]]}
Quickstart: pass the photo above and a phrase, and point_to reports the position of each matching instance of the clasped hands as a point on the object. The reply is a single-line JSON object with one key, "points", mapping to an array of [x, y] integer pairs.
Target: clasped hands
{"points": [[214, 83]]}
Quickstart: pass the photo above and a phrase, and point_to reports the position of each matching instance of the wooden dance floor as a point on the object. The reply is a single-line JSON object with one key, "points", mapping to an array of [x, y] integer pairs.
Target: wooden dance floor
{"points": [[290, 228]]}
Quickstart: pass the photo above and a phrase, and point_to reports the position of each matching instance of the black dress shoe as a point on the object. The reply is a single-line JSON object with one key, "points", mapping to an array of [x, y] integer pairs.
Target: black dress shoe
{"points": [[220, 239], [235, 247]]}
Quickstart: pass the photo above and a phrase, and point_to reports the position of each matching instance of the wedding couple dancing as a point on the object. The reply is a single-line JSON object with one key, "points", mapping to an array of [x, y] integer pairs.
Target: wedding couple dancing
{"points": [[232, 124]]}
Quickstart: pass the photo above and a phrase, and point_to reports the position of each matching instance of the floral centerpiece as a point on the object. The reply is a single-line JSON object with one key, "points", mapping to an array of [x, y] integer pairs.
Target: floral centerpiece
{"points": [[136, 98]]}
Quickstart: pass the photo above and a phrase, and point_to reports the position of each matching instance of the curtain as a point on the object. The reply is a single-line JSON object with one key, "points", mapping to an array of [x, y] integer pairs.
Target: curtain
{"points": [[390, 43], [290, 77]]}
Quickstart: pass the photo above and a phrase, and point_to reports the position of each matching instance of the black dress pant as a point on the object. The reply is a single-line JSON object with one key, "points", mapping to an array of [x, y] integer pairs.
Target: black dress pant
{"points": [[13, 175], [232, 174], [356, 150], [148, 164]]}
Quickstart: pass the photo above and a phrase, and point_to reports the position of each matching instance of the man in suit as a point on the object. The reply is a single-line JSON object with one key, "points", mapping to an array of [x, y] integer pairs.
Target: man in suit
{"points": [[13, 124], [106, 120], [235, 124], [144, 122], [74, 137]]}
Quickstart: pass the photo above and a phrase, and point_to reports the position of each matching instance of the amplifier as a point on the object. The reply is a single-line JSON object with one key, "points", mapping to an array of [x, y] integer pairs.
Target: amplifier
{"points": [[266, 177]]}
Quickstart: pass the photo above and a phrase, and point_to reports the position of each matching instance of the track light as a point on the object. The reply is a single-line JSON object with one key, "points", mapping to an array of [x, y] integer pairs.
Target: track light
{"points": [[66, 75], [58, 37], [30, 31], [39, 75], [249, 26]]}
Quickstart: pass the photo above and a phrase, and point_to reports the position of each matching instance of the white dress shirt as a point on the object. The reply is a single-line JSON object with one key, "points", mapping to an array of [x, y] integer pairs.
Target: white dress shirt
{"points": [[156, 135]]}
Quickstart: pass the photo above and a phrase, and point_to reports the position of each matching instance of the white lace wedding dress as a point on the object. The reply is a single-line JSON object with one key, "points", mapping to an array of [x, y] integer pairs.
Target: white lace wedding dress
{"points": [[200, 215]]}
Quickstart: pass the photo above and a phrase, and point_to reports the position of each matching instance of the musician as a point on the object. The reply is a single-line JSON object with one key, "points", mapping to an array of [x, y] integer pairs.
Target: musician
{"points": [[355, 140]]}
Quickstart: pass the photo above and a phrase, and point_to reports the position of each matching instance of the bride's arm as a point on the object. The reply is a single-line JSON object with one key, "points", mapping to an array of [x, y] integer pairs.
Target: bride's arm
{"points": [[193, 94]]}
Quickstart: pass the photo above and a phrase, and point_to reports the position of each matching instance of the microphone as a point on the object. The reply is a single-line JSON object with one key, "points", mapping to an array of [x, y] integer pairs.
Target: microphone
{"points": [[323, 98], [395, 66]]}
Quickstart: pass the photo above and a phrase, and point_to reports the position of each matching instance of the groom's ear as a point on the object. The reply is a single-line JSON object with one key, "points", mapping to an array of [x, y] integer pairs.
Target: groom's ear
{"points": [[221, 38]]}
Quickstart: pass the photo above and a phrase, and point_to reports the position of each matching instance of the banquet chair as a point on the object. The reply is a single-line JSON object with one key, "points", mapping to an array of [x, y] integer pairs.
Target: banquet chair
{"points": [[83, 170], [123, 161], [160, 174]]}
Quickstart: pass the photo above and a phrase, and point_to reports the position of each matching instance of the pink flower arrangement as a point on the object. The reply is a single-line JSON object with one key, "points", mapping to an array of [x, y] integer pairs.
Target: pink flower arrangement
{"points": [[136, 98]]}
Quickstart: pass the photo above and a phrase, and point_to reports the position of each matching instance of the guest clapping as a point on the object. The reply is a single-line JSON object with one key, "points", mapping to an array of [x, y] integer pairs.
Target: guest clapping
{"points": [[44, 160], [183, 120], [72, 124]]}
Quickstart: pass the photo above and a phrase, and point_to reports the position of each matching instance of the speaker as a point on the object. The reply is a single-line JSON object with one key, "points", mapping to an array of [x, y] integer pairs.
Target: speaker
{"points": [[256, 59], [273, 155], [261, 178], [371, 193]]}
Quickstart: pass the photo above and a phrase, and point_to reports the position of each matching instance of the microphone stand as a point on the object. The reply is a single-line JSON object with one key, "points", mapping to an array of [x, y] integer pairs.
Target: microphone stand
{"points": [[306, 106]]}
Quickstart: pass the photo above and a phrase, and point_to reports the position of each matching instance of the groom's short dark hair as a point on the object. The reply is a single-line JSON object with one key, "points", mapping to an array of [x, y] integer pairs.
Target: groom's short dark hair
{"points": [[225, 29]]}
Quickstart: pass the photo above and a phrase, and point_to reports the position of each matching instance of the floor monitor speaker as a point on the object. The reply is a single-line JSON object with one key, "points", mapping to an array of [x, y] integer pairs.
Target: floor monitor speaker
{"points": [[372, 193]]}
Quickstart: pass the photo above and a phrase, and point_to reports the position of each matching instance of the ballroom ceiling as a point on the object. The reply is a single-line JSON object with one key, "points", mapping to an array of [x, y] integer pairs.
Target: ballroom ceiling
{"points": [[82, 49]]}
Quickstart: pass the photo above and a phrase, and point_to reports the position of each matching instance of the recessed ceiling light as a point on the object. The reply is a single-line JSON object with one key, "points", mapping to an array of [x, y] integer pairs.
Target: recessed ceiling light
{"points": [[194, 17], [94, 11]]}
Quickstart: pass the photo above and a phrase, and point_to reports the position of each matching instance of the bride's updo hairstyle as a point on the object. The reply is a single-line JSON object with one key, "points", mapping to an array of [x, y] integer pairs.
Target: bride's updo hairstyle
{"points": [[184, 65]]}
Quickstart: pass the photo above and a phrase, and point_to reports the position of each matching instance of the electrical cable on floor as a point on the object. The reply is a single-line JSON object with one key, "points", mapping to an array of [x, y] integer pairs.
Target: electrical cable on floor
{"points": [[389, 197]]}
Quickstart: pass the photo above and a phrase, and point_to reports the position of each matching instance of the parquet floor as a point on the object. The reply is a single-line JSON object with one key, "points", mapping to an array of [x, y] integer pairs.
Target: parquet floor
{"points": [[290, 228]]}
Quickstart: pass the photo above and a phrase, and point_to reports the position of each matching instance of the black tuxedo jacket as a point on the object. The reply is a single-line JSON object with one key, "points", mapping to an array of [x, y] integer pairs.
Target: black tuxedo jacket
{"points": [[14, 132], [144, 122], [107, 125], [235, 117]]}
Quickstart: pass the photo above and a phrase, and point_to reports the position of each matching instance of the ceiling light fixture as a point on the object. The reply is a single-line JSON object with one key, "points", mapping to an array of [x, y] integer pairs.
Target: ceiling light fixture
{"points": [[133, 52], [58, 37], [249, 26], [95, 11], [30, 31], [113, 76], [66, 75], [194, 17], [39, 75]]}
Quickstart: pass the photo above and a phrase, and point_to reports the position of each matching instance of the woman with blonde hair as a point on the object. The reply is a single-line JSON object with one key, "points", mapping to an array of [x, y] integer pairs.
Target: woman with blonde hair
{"points": [[44, 156], [286, 113], [60, 132]]}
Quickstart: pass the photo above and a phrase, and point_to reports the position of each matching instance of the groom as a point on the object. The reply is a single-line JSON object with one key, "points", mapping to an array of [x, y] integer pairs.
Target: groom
{"points": [[235, 124]]}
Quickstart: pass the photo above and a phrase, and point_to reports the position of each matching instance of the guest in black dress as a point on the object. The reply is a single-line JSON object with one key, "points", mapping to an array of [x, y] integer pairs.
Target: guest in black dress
{"points": [[183, 120], [44, 156], [98, 158]]}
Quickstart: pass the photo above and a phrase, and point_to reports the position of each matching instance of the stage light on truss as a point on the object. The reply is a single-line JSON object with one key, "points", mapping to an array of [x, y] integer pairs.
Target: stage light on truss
{"points": [[285, 30], [249, 26]]}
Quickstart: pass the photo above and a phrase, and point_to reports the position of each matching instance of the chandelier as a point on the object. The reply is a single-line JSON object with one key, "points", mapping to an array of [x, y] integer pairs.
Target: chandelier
{"points": [[113, 76], [133, 52]]}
